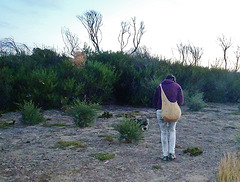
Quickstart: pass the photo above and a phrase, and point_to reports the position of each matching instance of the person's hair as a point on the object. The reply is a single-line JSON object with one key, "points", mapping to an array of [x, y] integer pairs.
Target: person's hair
{"points": [[171, 77]]}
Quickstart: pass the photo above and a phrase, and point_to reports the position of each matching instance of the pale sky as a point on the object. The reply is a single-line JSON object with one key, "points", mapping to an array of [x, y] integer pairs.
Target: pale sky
{"points": [[167, 22]]}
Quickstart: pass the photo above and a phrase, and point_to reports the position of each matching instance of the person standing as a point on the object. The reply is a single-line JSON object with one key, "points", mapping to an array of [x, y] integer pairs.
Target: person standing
{"points": [[173, 93]]}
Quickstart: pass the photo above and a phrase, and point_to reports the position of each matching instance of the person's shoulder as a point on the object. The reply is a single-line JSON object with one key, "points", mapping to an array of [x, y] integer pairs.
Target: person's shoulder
{"points": [[178, 85]]}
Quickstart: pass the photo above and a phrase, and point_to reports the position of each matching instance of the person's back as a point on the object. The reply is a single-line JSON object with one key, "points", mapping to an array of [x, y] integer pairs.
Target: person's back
{"points": [[172, 90]]}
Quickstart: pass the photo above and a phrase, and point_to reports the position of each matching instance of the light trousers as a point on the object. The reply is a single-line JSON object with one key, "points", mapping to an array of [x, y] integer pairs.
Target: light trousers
{"points": [[168, 134]]}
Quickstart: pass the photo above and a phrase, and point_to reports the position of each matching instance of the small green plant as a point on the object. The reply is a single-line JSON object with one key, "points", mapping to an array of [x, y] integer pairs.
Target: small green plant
{"points": [[107, 137], [69, 144], [131, 114], [238, 140], [103, 156], [196, 103], [54, 124], [106, 115], [31, 114], [5, 125], [157, 166], [237, 112], [193, 151], [129, 131], [83, 113]]}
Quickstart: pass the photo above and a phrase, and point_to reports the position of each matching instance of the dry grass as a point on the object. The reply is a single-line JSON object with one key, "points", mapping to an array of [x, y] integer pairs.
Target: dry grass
{"points": [[229, 168], [79, 59]]}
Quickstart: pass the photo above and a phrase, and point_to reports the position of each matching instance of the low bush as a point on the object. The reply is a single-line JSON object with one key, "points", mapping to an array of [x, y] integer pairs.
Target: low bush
{"points": [[129, 131], [193, 151], [31, 114], [196, 103], [83, 113], [69, 145]]}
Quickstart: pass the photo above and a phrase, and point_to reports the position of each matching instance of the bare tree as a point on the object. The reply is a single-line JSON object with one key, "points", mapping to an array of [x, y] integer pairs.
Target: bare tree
{"points": [[217, 64], [137, 34], [189, 54], [92, 21], [70, 40], [196, 53], [237, 54], [8, 46], [183, 51], [122, 39], [225, 44]]}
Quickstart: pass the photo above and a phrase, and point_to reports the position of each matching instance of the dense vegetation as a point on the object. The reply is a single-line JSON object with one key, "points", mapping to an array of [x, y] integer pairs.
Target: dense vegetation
{"points": [[50, 80]]}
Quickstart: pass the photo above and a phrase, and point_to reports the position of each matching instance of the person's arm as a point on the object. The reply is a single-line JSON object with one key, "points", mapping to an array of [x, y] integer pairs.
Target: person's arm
{"points": [[180, 96]]}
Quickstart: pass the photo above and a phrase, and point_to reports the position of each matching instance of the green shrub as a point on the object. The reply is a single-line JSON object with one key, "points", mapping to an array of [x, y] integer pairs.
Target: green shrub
{"points": [[83, 113], [186, 97], [196, 102], [31, 115], [129, 131]]}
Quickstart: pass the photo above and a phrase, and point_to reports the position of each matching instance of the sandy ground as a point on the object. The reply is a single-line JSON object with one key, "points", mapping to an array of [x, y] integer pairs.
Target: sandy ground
{"points": [[27, 153]]}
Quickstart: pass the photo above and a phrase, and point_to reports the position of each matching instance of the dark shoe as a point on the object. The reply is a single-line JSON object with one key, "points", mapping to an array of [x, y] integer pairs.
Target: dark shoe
{"points": [[165, 158], [171, 157]]}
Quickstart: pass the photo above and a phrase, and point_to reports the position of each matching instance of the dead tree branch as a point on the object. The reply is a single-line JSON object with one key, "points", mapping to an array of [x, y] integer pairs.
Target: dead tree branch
{"points": [[8, 46], [92, 21], [71, 41], [237, 54], [137, 34], [124, 31]]}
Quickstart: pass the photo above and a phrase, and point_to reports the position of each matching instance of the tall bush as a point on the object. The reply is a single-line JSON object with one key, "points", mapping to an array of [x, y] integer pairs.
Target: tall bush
{"points": [[196, 103], [6, 87], [42, 88], [98, 81]]}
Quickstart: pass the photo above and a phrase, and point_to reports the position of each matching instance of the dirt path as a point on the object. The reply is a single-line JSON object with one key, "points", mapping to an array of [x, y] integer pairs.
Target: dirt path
{"points": [[27, 153]]}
